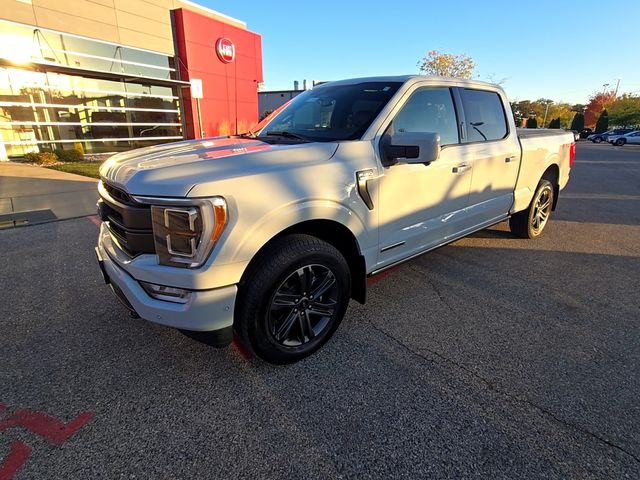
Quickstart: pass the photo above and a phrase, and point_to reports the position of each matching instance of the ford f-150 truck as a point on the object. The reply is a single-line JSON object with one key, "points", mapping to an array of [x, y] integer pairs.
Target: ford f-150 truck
{"points": [[272, 232]]}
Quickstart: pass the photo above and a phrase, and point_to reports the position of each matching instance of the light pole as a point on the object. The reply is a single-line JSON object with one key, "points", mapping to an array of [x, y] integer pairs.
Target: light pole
{"points": [[546, 110]]}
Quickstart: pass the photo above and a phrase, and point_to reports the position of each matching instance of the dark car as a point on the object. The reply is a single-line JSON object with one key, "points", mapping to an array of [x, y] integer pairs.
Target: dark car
{"points": [[586, 132], [602, 137]]}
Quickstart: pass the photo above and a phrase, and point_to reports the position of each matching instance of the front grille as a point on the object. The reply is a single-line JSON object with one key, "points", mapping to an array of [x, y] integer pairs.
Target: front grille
{"points": [[120, 195], [129, 222]]}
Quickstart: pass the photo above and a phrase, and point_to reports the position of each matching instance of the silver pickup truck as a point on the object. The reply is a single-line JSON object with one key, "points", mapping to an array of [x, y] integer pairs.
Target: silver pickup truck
{"points": [[271, 233]]}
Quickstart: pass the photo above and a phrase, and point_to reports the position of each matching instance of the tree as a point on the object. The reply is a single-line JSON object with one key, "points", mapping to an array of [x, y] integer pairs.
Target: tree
{"points": [[577, 123], [603, 122], [524, 109], [624, 111], [596, 105], [555, 123], [532, 122], [447, 65]]}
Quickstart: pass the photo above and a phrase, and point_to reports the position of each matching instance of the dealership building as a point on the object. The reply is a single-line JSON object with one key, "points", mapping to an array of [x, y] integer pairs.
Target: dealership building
{"points": [[111, 75]]}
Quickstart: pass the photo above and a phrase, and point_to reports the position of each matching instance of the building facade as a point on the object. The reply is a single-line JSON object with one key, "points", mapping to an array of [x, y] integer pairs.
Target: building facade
{"points": [[111, 75]]}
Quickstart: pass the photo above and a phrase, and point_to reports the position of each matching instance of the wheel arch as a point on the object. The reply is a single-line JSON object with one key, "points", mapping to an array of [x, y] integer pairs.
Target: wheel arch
{"points": [[337, 235], [552, 173]]}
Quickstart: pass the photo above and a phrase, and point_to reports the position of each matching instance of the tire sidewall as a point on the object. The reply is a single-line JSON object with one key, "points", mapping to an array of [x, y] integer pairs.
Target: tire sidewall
{"points": [[541, 186], [257, 330]]}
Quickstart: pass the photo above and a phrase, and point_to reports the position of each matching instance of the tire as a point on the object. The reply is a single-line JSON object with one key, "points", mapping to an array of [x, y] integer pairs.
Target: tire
{"points": [[620, 142], [597, 140], [530, 223], [292, 298]]}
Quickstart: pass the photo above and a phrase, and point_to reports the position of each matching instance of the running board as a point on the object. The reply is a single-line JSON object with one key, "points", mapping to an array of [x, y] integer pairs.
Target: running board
{"points": [[430, 249]]}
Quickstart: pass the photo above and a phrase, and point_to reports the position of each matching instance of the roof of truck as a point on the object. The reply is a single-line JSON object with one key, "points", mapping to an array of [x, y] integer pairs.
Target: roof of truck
{"points": [[411, 78]]}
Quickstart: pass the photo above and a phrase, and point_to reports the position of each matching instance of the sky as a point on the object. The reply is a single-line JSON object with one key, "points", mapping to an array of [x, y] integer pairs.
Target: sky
{"points": [[564, 51]]}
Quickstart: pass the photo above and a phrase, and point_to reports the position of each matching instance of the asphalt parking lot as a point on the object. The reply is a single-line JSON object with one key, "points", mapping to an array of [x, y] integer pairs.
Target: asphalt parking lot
{"points": [[493, 357]]}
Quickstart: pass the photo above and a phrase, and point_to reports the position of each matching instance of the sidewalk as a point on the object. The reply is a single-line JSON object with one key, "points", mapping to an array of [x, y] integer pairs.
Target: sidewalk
{"points": [[30, 194]]}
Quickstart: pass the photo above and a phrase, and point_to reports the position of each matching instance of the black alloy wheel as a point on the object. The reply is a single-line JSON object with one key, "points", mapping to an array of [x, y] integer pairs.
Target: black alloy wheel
{"points": [[292, 298], [302, 306]]}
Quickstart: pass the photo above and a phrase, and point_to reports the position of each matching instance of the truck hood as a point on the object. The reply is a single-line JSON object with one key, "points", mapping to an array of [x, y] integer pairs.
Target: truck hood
{"points": [[173, 169]]}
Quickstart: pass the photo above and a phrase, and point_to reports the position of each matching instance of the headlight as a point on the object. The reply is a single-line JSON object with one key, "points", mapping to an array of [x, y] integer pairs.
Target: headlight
{"points": [[185, 232]]}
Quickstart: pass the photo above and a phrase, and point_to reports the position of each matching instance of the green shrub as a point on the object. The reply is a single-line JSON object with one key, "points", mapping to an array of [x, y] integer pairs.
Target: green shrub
{"points": [[555, 123], [47, 158], [577, 123], [603, 122], [32, 157], [70, 155], [41, 158]]}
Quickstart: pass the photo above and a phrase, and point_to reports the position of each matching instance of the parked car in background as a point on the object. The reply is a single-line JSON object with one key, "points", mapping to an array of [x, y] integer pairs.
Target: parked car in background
{"points": [[602, 137], [586, 132], [632, 138]]}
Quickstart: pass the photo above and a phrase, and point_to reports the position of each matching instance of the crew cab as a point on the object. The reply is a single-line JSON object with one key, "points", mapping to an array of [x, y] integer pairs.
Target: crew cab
{"points": [[272, 232]]}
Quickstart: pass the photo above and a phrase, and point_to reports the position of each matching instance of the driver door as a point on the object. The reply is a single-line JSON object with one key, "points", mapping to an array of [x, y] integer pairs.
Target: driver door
{"points": [[421, 206]]}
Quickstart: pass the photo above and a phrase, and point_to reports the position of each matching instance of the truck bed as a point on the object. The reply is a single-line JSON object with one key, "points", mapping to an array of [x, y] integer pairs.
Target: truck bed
{"points": [[538, 132]]}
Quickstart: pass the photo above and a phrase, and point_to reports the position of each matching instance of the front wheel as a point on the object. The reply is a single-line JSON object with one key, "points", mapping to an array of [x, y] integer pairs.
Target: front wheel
{"points": [[620, 142], [530, 223], [292, 298], [597, 140]]}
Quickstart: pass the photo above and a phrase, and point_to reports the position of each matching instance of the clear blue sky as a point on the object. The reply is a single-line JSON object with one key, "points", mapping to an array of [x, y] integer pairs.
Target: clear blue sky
{"points": [[559, 50]]}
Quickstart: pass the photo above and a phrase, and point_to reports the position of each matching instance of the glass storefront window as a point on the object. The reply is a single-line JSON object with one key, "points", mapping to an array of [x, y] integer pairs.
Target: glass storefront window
{"points": [[28, 44], [51, 110]]}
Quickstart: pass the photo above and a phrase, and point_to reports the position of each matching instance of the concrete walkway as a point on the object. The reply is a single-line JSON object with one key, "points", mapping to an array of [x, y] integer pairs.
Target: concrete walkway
{"points": [[30, 194]]}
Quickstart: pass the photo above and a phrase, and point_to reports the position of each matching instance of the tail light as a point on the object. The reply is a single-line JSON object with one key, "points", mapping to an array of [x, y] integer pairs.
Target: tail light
{"points": [[572, 153]]}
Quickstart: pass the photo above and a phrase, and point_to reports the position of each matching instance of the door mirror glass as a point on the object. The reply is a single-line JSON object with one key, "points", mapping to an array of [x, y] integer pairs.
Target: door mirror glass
{"points": [[410, 147]]}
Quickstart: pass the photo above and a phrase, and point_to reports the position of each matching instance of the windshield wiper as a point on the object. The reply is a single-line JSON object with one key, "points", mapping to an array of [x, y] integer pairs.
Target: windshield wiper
{"points": [[246, 135], [284, 133]]}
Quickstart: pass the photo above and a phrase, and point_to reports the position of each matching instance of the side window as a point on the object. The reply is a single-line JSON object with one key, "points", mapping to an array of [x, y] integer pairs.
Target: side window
{"points": [[484, 115], [428, 110]]}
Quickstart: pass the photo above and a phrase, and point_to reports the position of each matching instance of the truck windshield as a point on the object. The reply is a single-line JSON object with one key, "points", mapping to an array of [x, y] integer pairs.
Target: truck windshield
{"points": [[329, 113]]}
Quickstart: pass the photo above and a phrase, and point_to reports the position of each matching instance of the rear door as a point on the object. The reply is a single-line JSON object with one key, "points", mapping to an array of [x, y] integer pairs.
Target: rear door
{"points": [[494, 151]]}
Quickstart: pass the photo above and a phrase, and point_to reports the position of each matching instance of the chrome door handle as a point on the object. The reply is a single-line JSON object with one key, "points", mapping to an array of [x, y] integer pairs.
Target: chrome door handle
{"points": [[461, 168], [510, 159]]}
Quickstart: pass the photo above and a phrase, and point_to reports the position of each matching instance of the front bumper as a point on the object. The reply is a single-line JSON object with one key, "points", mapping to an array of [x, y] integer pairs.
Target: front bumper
{"points": [[205, 311]]}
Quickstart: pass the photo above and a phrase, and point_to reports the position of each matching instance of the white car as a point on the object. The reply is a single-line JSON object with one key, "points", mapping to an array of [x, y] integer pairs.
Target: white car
{"points": [[632, 138]]}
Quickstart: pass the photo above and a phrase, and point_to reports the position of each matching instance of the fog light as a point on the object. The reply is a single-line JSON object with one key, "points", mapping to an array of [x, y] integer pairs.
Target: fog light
{"points": [[168, 294]]}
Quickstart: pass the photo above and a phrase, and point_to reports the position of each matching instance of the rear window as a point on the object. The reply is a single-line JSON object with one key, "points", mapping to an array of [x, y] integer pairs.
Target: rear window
{"points": [[484, 115]]}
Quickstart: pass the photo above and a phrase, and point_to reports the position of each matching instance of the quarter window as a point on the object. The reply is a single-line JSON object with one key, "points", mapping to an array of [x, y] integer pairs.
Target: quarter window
{"points": [[484, 115], [428, 110]]}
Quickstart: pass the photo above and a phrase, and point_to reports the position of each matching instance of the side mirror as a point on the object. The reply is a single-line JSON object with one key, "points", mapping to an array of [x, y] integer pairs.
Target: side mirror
{"points": [[411, 147]]}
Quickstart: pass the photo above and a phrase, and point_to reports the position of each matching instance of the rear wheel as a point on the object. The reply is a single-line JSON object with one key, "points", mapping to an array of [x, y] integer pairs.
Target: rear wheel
{"points": [[620, 142], [531, 222], [597, 140], [292, 298]]}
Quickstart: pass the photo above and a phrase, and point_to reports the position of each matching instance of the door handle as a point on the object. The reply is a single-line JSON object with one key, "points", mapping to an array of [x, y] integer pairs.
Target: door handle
{"points": [[510, 159], [461, 168]]}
